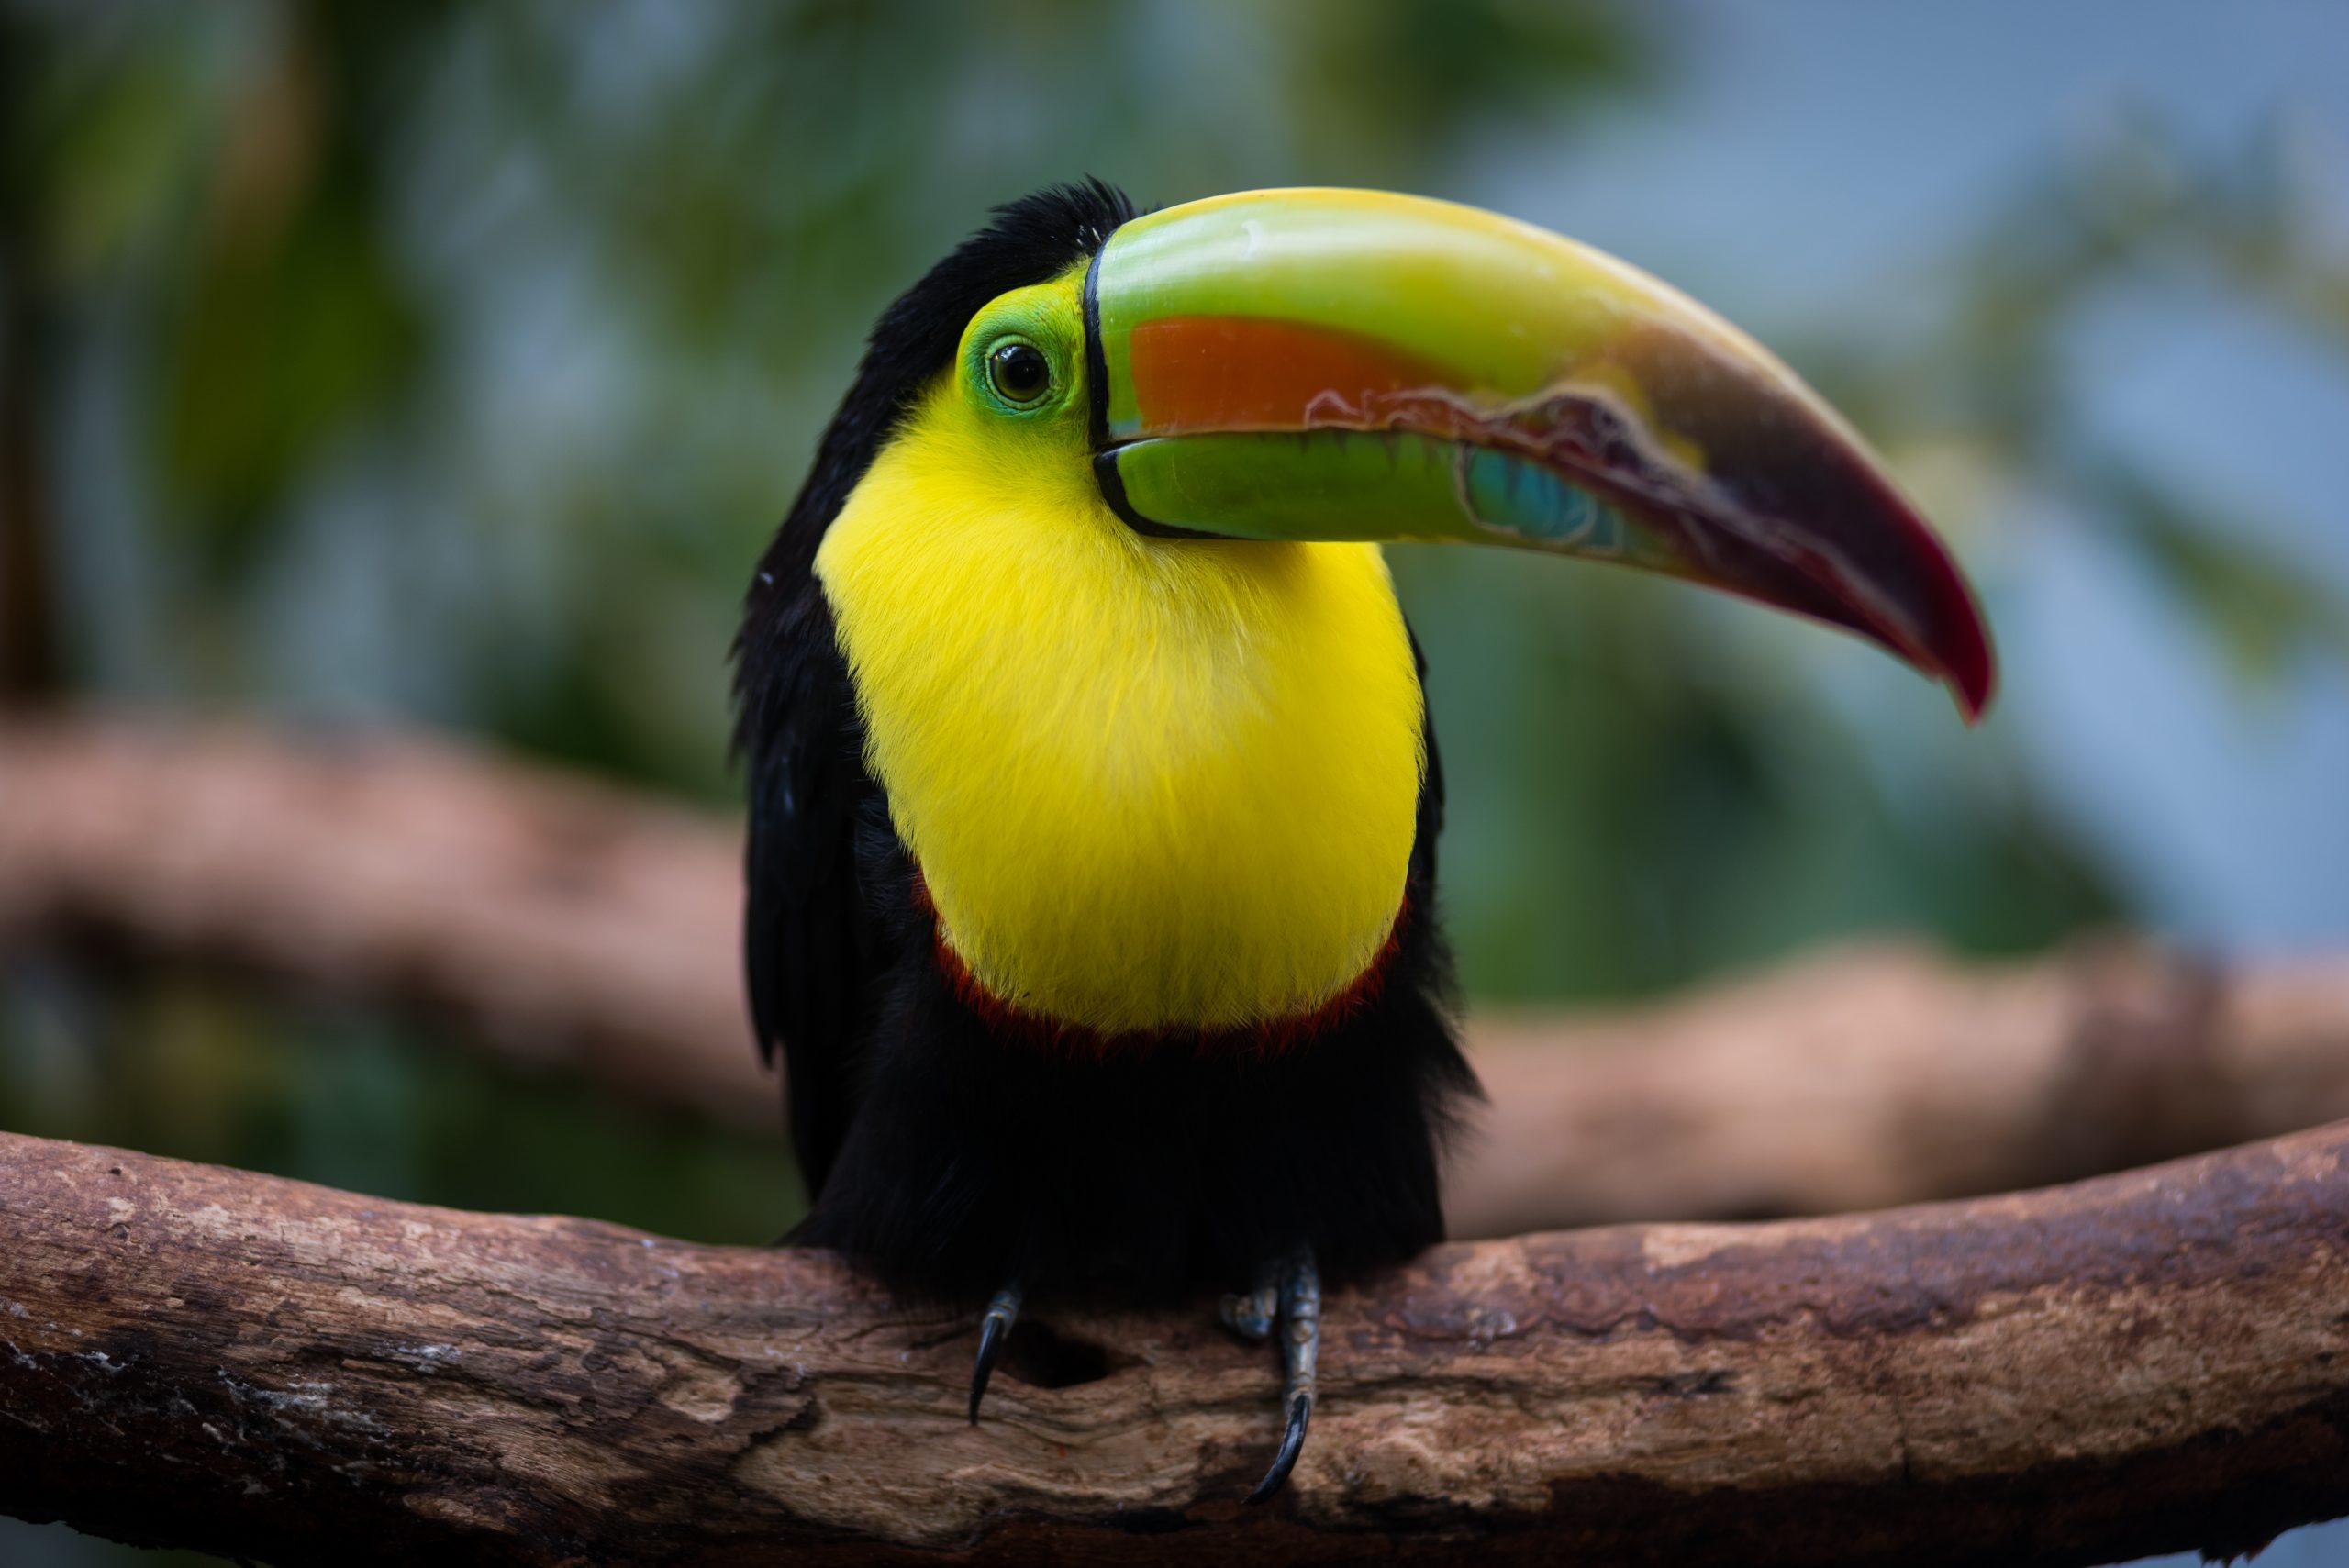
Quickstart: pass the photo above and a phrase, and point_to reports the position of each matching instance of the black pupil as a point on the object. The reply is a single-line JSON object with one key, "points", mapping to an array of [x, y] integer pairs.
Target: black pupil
{"points": [[1020, 373]]}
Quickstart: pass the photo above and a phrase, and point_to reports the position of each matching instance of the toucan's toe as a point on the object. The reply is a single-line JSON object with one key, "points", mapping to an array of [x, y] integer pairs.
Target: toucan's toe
{"points": [[1002, 1312], [1301, 1325], [1252, 1313]]}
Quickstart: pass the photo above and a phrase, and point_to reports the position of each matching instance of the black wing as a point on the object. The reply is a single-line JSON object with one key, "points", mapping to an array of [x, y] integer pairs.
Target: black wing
{"points": [[813, 950]]}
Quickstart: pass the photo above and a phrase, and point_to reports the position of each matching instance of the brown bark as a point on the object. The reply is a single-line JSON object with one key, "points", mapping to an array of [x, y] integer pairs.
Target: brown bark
{"points": [[575, 925], [2142, 1363]]}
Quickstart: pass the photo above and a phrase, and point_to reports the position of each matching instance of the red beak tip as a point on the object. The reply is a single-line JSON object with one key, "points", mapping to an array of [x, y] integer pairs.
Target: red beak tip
{"points": [[1974, 688]]}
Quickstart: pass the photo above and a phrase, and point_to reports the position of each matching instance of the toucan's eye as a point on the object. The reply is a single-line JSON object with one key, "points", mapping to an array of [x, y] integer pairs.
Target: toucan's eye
{"points": [[1020, 373]]}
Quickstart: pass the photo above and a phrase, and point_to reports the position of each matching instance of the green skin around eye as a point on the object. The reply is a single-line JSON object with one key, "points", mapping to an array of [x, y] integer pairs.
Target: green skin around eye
{"points": [[1047, 317]]}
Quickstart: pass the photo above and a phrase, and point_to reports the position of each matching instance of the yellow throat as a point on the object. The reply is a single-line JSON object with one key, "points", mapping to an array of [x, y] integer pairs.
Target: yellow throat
{"points": [[1150, 783]]}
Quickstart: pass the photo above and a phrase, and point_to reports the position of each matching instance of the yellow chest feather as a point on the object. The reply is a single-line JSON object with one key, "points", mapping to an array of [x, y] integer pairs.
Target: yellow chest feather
{"points": [[1148, 783]]}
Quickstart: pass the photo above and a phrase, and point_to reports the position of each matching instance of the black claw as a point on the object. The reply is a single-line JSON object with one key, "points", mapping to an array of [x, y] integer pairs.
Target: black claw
{"points": [[994, 1330], [991, 1337], [1300, 1307], [1301, 1412]]}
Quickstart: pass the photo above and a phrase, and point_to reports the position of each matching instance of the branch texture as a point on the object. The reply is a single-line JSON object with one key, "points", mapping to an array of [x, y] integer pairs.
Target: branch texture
{"points": [[2142, 1363], [573, 925]]}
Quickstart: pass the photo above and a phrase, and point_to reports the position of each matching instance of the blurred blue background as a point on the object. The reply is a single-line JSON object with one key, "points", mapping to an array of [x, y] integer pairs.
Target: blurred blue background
{"points": [[448, 365]]}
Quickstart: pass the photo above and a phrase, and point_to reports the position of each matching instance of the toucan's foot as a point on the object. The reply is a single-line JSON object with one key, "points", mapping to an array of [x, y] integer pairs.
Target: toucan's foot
{"points": [[1250, 1313], [1301, 1325], [994, 1330]]}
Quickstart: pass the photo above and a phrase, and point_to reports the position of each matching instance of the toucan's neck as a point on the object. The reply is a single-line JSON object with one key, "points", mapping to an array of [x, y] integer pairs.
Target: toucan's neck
{"points": [[1150, 784]]}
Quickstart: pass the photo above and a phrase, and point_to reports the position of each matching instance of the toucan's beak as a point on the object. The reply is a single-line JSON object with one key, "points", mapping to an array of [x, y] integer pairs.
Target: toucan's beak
{"points": [[1326, 364]]}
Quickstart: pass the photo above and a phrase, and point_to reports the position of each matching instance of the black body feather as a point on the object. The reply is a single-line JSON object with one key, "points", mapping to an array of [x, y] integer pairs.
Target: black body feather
{"points": [[955, 1155]]}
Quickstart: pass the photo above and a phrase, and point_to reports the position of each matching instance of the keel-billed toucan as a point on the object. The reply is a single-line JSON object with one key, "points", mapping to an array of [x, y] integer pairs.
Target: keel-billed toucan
{"points": [[1093, 798]]}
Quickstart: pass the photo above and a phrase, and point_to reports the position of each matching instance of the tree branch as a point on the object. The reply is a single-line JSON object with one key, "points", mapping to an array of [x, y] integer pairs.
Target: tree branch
{"points": [[564, 922], [1886, 1074], [2143, 1363], [572, 925]]}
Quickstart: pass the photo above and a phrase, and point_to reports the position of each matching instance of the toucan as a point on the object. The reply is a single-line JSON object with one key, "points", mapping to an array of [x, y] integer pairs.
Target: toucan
{"points": [[1093, 793]]}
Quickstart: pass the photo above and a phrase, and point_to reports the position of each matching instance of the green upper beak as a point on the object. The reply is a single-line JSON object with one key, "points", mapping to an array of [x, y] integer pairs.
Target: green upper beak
{"points": [[1331, 364]]}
